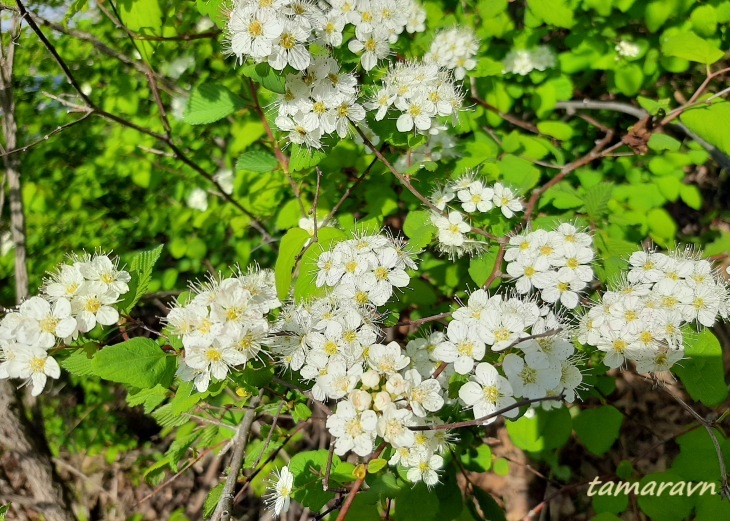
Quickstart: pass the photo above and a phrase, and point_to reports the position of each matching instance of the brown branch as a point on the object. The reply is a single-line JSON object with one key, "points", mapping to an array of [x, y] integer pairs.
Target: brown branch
{"points": [[45, 138], [478, 422], [356, 487], [225, 504], [405, 181]]}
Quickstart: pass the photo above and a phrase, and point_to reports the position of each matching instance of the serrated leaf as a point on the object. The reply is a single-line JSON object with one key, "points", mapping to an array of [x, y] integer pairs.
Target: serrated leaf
{"points": [[148, 398], [596, 200], [257, 159], [308, 467], [688, 46], [209, 103], [291, 244], [212, 500], [79, 362], [140, 269], [138, 362], [165, 417]]}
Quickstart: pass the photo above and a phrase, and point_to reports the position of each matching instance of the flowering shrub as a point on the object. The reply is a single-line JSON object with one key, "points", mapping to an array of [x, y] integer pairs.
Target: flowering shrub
{"points": [[432, 244]]}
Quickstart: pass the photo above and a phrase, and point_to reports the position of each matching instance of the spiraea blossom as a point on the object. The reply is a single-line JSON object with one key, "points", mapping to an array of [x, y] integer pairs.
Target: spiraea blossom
{"points": [[279, 498], [454, 49], [76, 298], [556, 262], [224, 325], [523, 61], [628, 49], [420, 93], [640, 319]]}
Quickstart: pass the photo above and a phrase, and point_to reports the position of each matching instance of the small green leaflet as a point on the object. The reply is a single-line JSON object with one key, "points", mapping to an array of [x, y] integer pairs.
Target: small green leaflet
{"points": [[209, 103], [257, 159], [291, 245], [141, 271]]}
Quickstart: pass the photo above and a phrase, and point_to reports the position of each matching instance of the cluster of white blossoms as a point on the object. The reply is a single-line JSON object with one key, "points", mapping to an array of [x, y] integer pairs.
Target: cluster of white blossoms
{"points": [[641, 319], [539, 363], [333, 342], [321, 100], [421, 93], [524, 61], [280, 32], [628, 49], [472, 196], [556, 262], [223, 325], [73, 300], [454, 49], [365, 269]]}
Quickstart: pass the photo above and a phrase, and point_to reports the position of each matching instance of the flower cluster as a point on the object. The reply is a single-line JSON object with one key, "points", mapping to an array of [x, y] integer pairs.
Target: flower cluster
{"points": [[474, 197], [276, 31], [454, 49], [539, 359], [641, 320], [523, 61], [556, 262], [321, 100], [628, 49], [421, 92], [279, 32], [73, 300], [223, 325], [365, 269]]}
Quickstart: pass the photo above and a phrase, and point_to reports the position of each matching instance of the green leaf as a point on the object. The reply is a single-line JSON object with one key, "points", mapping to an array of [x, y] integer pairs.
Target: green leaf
{"points": [[417, 503], [518, 173], [596, 200], [661, 142], [664, 506], [628, 78], [544, 430], [703, 372], [149, 398], [213, 10], [79, 362], [257, 159], [598, 428], [264, 75], [140, 270], [487, 67], [301, 412], [557, 129], [138, 362], [689, 46], [651, 106], [481, 267], [210, 102], [501, 467], [691, 196], [143, 17], [697, 459], [478, 459], [376, 465], [211, 501], [419, 229], [291, 244], [308, 469], [552, 12], [661, 225], [710, 123]]}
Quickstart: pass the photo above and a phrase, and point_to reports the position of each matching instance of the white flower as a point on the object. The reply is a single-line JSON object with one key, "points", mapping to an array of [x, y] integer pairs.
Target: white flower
{"points": [[197, 199], [393, 426], [487, 392], [252, 32], [451, 228], [288, 47], [425, 470], [213, 359], [527, 381], [64, 283], [303, 128], [387, 359], [507, 201], [353, 430], [101, 268], [628, 49], [463, 348], [35, 364], [48, 322], [94, 306], [423, 396], [280, 496], [373, 45], [476, 198]]}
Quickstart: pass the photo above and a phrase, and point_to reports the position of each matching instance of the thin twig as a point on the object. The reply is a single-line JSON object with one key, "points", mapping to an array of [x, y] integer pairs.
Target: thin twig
{"points": [[480, 421]]}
